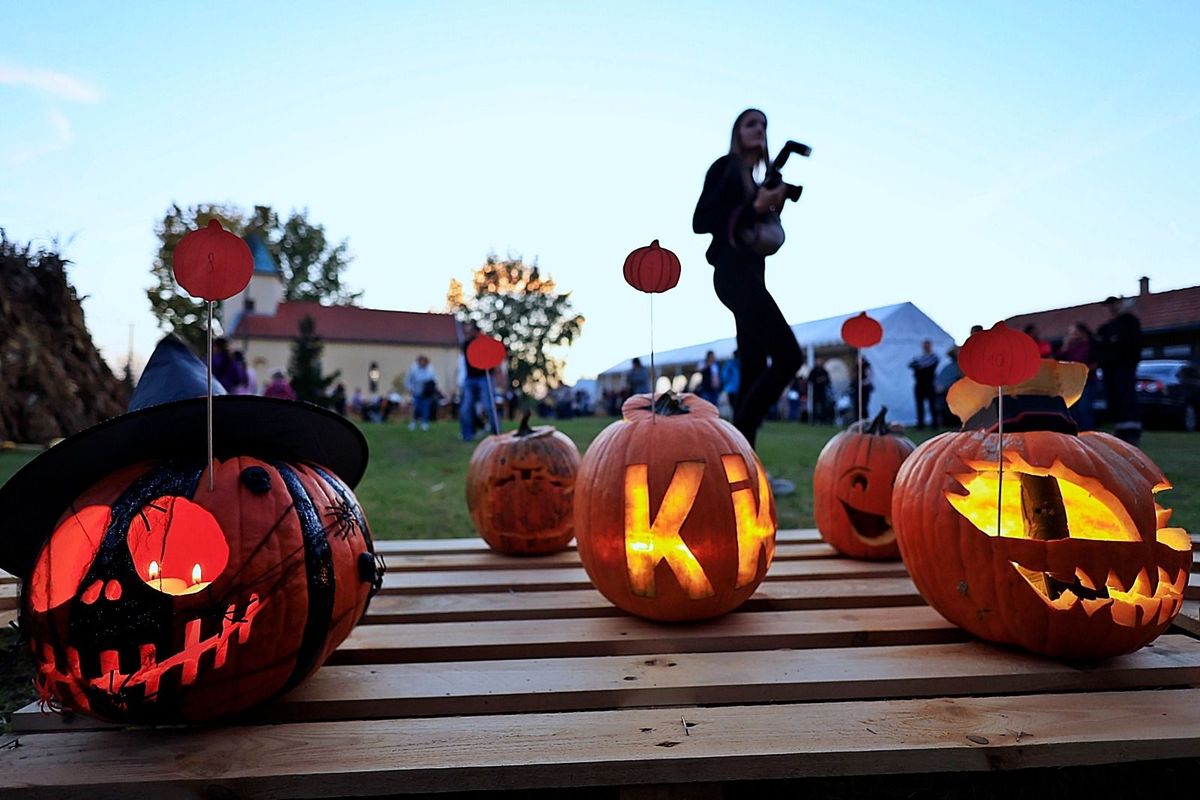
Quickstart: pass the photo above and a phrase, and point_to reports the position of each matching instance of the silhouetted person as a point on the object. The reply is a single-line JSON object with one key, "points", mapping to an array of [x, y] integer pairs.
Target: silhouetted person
{"points": [[730, 203], [818, 390], [1119, 349], [710, 378], [731, 379], [639, 378], [1078, 346], [924, 367]]}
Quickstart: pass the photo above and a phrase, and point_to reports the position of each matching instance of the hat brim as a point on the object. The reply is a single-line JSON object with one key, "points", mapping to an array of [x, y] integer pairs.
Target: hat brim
{"points": [[33, 499]]}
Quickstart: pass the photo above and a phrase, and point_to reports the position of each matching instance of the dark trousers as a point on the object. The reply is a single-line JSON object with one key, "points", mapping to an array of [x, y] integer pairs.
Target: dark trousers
{"points": [[926, 396], [767, 350]]}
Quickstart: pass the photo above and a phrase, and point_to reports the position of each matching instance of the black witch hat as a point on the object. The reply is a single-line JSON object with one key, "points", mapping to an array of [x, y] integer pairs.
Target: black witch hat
{"points": [[167, 418]]}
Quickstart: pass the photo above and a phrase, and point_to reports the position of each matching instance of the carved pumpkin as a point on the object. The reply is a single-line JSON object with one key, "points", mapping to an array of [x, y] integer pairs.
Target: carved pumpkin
{"points": [[1078, 561], [521, 489], [852, 489], [674, 518], [156, 600]]}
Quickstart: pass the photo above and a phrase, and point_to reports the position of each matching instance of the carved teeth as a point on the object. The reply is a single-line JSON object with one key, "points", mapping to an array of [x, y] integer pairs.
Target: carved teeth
{"points": [[1084, 580], [1092, 606], [1150, 609], [1141, 585], [1125, 614], [1113, 582], [1167, 611]]}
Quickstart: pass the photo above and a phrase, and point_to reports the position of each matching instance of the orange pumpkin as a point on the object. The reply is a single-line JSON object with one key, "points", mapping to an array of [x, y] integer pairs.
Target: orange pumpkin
{"points": [[158, 600], [674, 518], [521, 488], [1069, 555], [852, 489]]}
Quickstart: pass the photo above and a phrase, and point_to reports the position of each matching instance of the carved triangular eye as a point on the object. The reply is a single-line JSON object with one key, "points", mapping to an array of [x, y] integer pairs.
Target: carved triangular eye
{"points": [[67, 556]]}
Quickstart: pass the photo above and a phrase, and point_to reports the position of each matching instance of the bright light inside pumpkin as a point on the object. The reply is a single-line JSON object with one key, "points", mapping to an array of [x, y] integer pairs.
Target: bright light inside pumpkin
{"points": [[175, 544], [1092, 511]]}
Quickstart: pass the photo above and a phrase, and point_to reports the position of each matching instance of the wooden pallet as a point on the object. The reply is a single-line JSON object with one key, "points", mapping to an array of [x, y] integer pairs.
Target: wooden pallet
{"points": [[476, 672]]}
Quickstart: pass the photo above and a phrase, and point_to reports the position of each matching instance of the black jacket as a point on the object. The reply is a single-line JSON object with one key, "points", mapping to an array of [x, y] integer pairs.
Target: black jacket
{"points": [[725, 206]]}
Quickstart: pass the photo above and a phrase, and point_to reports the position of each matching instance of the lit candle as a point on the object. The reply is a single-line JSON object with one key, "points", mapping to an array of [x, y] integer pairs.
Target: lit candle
{"points": [[175, 586]]}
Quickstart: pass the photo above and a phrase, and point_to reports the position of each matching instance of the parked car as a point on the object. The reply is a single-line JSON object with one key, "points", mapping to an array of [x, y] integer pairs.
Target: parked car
{"points": [[1168, 393]]}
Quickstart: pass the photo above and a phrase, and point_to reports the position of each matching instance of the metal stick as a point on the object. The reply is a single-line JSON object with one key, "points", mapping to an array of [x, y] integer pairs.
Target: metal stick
{"points": [[1000, 457], [861, 411], [210, 397], [653, 379]]}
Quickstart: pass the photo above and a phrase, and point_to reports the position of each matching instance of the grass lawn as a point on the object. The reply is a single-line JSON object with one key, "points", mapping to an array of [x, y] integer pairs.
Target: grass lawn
{"points": [[414, 487]]}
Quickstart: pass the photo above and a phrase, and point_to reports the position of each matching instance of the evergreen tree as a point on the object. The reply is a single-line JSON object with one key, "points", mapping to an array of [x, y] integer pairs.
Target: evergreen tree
{"points": [[305, 365]]}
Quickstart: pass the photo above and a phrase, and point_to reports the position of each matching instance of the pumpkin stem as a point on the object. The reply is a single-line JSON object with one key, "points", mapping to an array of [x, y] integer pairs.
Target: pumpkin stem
{"points": [[1042, 507], [667, 405], [524, 430], [879, 425]]}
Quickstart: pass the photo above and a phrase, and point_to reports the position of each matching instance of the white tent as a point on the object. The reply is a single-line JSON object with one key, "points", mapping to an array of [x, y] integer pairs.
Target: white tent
{"points": [[904, 328]]}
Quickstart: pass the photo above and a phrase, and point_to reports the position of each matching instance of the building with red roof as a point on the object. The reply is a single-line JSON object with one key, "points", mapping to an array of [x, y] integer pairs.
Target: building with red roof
{"points": [[373, 348], [1170, 320]]}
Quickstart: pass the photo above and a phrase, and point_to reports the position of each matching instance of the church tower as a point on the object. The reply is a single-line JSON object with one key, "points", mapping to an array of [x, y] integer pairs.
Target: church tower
{"points": [[262, 295]]}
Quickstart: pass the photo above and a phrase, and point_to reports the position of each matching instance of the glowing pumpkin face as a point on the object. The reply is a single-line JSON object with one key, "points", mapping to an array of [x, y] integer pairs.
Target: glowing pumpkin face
{"points": [[1078, 562], [852, 489], [158, 600], [674, 518], [521, 490]]}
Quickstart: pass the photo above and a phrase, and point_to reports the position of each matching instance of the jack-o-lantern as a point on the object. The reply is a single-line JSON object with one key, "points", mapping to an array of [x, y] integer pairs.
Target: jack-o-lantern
{"points": [[674, 517], [158, 600], [521, 488], [158, 588], [1068, 554], [852, 489]]}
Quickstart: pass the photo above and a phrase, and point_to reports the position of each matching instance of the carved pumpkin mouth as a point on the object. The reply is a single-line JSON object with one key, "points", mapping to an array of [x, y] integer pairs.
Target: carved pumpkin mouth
{"points": [[1150, 599], [118, 672], [868, 526]]}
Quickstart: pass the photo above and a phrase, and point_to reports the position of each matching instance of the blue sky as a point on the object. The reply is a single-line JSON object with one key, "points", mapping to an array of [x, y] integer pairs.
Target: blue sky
{"points": [[978, 159]]}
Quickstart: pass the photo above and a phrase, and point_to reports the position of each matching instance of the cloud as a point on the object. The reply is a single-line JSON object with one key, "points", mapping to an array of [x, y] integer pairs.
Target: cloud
{"points": [[60, 140], [55, 83]]}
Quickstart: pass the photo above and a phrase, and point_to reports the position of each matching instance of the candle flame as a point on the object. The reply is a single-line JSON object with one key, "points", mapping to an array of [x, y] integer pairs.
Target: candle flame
{"points": [[196, 574], [153, 570]]}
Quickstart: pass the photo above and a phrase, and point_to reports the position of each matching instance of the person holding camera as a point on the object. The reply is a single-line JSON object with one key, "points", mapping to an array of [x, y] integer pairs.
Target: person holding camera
{"points": [[743, 217]]}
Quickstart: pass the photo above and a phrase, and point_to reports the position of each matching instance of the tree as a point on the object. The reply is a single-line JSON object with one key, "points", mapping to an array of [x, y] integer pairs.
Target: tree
{"points": [[305, 365], [310, 264], [513, 302]]}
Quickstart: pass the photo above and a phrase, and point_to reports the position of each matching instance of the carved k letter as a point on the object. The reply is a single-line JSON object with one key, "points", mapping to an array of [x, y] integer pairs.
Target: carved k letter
{"points": [[755, 527], [647, 544]]}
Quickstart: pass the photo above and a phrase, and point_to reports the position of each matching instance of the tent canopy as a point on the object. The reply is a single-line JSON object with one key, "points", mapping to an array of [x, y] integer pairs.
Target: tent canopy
{"points": [[904, 328]]}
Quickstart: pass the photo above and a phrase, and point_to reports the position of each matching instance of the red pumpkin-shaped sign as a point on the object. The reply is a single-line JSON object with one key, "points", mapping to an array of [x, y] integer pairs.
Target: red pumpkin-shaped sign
{"points": [[212, 263], [521, 490], [1079, 563], [157, 600], [999, 356], [674, 518], [862, 331], [485, 353], [652, 269], [852, 489]]}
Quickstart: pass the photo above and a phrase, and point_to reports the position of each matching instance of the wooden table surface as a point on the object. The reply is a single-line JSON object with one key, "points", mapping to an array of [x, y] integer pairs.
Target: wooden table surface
{"points": [[473, 672]]}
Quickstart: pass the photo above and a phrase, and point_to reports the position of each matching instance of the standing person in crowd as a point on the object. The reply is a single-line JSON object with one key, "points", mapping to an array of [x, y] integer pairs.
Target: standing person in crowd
{"points": [[731, 379], [867, 387], [337, 400], [1119, 349], [731, 203], [279, 387], [421, 383], [1078, 346], [245, 373], [710, 378], [796, 396], [473, 390], [1044, 348], [224, 367], [818, 390], [357, 401], [639, 379], [924, 367]]}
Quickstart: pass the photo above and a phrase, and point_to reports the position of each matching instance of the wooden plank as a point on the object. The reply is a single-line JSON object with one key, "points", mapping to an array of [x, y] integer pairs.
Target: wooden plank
{"points": [[470, 543], [478, 560], [572, 603], [560, 578], [1189, 617], [379, 691], [626, 635], [605, 748]]}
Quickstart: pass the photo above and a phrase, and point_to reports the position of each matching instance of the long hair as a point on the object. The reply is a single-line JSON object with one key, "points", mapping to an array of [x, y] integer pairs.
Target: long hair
{"points": [[738, 154]]}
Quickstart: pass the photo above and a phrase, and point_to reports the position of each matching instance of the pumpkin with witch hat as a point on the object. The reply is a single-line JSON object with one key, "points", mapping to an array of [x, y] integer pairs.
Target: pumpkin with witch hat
{"points": [[1069, 554], [151, 597]]}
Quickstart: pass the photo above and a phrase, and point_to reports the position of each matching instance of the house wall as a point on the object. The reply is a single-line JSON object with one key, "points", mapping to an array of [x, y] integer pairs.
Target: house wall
{"points": [[354, 360]]}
